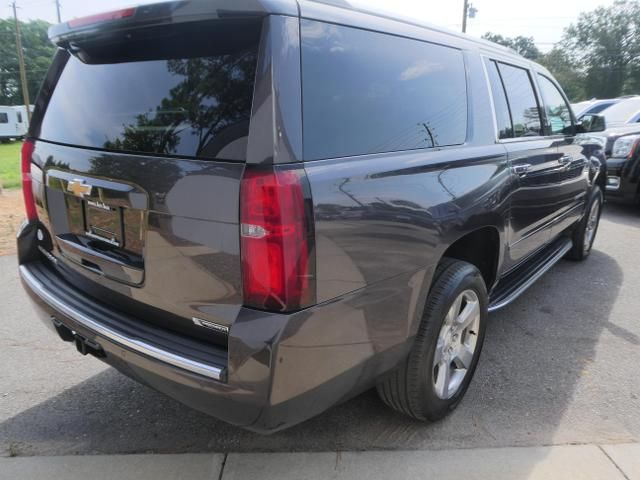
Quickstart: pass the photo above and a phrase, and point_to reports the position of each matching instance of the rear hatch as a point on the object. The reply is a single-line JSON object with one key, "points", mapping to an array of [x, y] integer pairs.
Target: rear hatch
{"points": [[141, 135]]}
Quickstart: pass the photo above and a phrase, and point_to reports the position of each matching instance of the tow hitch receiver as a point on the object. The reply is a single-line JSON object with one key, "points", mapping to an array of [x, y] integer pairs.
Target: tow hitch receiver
{"points": [[86, 346], [83, 344], [65, 333]]}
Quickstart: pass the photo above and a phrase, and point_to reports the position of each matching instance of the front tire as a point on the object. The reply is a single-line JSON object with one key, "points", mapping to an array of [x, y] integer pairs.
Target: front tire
{"points": [[584, 233], [435, 376]]}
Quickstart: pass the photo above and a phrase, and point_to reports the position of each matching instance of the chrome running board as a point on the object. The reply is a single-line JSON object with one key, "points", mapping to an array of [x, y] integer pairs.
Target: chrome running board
{"points": [[515, 283]]}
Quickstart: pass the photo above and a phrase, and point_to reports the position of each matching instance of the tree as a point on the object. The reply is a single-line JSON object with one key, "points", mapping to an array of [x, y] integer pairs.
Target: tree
{"points": [[605, 45], [211, 103], [557, 62], [524, 46], [566, 73], [38, 52]]}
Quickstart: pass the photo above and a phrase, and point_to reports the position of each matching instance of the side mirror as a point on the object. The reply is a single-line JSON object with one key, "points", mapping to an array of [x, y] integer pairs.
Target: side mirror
{"points": [[591, 123]]}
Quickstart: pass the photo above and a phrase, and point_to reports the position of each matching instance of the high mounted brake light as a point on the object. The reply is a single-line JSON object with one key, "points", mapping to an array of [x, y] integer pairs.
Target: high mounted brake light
{"points": [[276, 240], [27, 184], [102, 17]]}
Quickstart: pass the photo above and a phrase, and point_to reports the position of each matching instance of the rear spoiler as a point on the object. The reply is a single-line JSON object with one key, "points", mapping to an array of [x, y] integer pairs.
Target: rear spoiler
{"points": [[107, 25]]}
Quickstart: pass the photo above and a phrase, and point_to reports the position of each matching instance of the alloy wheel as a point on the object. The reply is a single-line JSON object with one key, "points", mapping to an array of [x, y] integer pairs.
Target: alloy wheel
{"points": [[456, 344], [592, 225]]}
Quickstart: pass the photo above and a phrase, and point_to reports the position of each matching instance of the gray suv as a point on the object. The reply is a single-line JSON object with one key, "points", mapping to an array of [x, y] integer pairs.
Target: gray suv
{"points": [[265, 207]]}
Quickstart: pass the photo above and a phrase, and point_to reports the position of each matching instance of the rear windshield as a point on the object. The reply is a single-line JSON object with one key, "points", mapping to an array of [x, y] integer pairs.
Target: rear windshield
{"points": [[188, 96]]}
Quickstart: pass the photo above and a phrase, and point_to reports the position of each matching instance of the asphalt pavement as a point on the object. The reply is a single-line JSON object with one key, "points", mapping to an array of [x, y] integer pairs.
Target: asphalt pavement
{"points": [[560, 366]]}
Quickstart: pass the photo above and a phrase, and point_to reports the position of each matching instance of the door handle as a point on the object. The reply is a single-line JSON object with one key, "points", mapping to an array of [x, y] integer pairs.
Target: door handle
{"points": [[522, 169], [565, 160]]}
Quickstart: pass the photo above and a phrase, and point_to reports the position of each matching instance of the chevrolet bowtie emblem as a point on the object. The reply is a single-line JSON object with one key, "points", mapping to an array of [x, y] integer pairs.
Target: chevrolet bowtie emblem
{"points": [[79, 188]]}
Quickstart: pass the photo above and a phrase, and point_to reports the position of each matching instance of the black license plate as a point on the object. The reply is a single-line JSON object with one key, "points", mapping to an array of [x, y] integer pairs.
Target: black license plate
{"points": [[103, 222]]}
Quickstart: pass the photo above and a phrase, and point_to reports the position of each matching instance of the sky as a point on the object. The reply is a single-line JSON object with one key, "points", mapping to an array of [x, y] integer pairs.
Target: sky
{"points": [[543, 19]]}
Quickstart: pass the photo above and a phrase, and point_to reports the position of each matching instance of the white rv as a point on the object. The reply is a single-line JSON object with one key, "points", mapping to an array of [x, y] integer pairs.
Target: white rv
{"points": [[13, 122]]}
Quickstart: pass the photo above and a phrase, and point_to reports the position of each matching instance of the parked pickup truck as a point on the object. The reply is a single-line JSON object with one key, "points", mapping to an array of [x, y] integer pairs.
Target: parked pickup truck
{"points": [[263, 208], [622, 149]]}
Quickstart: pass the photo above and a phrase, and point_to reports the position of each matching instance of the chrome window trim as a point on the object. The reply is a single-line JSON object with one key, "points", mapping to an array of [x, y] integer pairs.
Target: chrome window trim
{"points": [[523, 139], [483, 60]]}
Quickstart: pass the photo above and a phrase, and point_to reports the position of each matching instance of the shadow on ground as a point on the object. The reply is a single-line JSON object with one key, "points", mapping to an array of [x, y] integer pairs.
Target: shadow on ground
{"points": [[559, 366]]}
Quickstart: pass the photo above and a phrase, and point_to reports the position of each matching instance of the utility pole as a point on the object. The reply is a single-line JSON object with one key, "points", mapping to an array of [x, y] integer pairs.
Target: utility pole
{"points": [[465, 14], [469, 12], [23, 73], [58, 10]]}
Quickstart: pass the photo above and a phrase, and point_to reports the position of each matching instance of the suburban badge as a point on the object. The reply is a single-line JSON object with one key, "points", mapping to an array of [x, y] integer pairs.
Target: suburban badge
{"points": [[210, 325]]}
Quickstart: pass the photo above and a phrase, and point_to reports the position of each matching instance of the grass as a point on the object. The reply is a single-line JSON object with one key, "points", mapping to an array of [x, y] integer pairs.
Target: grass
{"points": [[10, 164]]}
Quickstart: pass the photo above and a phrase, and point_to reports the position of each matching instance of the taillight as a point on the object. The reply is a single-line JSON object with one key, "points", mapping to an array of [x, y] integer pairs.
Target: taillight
{"points": [[102, 17], [635, 149], [276, 234], [27, 186]]}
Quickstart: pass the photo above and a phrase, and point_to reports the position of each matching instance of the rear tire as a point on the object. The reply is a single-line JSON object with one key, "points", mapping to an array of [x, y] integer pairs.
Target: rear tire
{"points": [[431, 382], [584, 233]]}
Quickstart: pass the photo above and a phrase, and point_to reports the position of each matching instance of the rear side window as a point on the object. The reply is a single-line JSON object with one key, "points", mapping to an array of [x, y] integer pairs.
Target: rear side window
{"points": [[503, 117], [556, 108], [4, 118], [523, 105], [188, 98], [366, 92]]}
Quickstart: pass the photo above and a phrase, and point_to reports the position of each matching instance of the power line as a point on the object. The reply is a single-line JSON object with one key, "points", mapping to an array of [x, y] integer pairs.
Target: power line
{"points": [[17, 72], [33, 2], [30, 3]]}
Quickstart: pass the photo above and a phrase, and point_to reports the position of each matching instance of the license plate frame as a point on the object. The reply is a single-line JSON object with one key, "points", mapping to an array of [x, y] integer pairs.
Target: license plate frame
{"points": [[103, 222]]}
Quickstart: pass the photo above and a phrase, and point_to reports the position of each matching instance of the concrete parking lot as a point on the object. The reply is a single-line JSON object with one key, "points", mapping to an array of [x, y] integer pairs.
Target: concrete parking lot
{"points": [[560, 366]]}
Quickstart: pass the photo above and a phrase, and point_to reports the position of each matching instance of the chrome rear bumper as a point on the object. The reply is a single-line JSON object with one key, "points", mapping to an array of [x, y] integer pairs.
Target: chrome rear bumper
{"points": [[93, 324]]}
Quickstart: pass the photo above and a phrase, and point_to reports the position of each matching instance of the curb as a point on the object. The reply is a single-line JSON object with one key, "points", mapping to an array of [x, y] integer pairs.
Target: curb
{"points": [[575, 462]]}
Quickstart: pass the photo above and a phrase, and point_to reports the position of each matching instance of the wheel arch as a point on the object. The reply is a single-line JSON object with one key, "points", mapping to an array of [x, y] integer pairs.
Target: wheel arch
{"points": [[598, 171], [473, 246]]}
